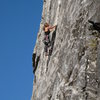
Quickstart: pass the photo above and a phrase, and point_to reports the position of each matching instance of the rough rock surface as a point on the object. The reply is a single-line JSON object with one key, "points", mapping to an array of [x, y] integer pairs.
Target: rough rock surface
{"points": [[72, 72]]}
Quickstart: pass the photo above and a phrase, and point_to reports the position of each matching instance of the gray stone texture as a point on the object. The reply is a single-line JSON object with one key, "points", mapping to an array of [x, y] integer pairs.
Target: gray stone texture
{"points": [[72, 72]]}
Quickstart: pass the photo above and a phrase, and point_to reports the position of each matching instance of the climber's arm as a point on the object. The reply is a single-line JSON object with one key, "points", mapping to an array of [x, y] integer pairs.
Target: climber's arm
{"points": [[52, 27]]}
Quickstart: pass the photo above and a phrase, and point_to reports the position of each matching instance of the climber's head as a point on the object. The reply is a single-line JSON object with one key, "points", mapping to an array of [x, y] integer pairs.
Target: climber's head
{"points": [[45, 25]]}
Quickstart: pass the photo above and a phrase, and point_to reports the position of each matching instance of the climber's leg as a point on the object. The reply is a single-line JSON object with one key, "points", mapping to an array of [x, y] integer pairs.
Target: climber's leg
{"points": [[46, 50]]}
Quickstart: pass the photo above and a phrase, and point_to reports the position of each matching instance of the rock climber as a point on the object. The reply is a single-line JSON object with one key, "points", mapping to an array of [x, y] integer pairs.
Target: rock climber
{"points": [[47, 29]]}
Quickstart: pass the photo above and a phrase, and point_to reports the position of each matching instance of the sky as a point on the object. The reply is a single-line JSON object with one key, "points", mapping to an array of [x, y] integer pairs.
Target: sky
{"points": [[19, 25]]}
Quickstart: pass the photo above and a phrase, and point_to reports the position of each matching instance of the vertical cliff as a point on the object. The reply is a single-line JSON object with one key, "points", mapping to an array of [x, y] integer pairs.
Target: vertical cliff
{"points": [[72, 72]]}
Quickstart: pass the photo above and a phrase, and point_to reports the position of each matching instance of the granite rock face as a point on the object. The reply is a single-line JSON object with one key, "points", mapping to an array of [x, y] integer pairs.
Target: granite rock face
{"points": [[72, 72]]}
